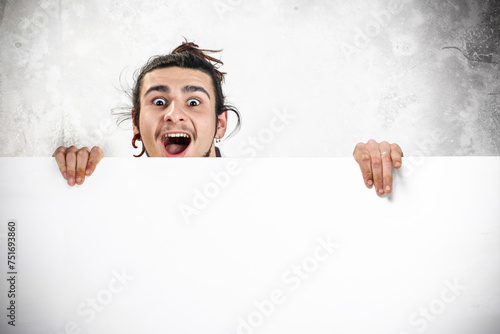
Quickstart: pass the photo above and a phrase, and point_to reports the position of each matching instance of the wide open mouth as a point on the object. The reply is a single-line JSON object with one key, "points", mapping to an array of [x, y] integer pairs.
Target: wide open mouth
{"points": [[176, 143]]}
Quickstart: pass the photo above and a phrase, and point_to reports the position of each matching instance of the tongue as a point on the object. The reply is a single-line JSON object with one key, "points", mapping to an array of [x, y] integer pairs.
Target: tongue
{"points": [[175, 148]]}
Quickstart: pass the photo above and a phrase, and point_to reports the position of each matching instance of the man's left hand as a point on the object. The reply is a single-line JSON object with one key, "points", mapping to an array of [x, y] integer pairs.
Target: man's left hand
{"points": [[376, 161]]}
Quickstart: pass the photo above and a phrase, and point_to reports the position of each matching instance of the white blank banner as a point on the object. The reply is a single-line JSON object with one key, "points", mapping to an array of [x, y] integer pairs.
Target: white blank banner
{"points": [[250, 246]]}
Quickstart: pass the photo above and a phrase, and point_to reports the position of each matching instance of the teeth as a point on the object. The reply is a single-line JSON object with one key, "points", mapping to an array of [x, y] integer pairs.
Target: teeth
{"points": [[176, 135]]}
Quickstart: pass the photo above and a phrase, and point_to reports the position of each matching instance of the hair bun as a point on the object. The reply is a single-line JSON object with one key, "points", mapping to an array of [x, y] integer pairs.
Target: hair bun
{"points": [[194, 49]]}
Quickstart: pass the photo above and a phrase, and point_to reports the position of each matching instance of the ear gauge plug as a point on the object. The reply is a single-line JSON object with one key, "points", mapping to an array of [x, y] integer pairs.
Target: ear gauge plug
{"points": [[138, 137]]}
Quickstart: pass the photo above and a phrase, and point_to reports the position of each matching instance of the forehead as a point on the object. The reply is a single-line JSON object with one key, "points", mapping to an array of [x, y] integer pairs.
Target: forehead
{"points": [[176, 78]]}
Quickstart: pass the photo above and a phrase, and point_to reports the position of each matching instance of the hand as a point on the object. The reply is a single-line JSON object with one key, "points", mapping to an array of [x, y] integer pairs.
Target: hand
{"points": [[376, 160], [75, 163]]}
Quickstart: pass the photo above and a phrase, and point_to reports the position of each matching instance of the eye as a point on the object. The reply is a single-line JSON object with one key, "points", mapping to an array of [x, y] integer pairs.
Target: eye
{"points": [[193, 102], [159, 102]]}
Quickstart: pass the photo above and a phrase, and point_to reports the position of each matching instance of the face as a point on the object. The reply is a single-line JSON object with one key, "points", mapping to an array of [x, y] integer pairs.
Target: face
{"points": [[177, 116]]}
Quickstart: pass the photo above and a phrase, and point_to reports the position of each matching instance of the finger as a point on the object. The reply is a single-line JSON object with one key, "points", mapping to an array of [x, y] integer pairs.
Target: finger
{"points": [[385, 149], [71, 165], [376, 166], [82, 157], [362, 157], [396, 154], [96, 154], [60, 155]]}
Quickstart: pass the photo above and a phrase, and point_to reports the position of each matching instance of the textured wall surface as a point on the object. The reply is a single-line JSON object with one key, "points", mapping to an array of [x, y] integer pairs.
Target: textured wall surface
{"points": [[421, 73]]}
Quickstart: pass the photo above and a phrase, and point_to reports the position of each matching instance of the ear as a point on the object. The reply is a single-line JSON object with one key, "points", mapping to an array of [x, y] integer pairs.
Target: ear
{"points": [[136, 126], [221, 125]]}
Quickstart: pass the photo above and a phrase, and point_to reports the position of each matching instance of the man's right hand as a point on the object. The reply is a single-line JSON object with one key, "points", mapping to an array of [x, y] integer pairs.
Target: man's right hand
{"points": [[75, 163]]}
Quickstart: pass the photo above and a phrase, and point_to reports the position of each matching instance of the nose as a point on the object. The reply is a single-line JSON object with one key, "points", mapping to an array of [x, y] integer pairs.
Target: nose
{"points": [[174, 114]]}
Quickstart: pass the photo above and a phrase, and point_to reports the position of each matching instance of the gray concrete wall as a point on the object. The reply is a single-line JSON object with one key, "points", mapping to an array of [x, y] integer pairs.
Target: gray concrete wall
{"points": [[424, 74]]}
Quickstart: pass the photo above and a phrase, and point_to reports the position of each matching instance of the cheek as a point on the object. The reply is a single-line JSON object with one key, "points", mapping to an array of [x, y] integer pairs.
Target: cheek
{"points": [[147, 130], [146, 120], [206, 126]]}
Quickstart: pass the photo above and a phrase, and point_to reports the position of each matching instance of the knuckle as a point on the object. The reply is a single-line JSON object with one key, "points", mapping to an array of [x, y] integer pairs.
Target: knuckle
{"points": [[71, 155], [59, 154], [396, 148], [376, 162], [364, 158], [60, 151], [71, 152], [96, 152], [359, 146], [82, 153]]}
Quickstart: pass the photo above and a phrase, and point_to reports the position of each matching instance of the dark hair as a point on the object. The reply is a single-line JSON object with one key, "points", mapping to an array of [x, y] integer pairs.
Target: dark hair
{"points": [[186, 55]]}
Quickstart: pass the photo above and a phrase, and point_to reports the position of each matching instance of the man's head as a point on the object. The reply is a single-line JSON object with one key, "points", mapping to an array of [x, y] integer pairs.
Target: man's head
{"points": [[178, 104]]}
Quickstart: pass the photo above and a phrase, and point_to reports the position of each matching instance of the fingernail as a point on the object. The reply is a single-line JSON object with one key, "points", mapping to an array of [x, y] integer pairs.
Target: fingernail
{"points": [[87, 172], [78, 179], [387, 188], [381, 191], [71, 181], [369, 183], [65, 175], [397, 164]]}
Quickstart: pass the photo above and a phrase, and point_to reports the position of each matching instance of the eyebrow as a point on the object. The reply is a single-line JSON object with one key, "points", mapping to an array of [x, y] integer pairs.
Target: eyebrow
{"points": [[159, 88], [185, 89], [191, 89]]}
